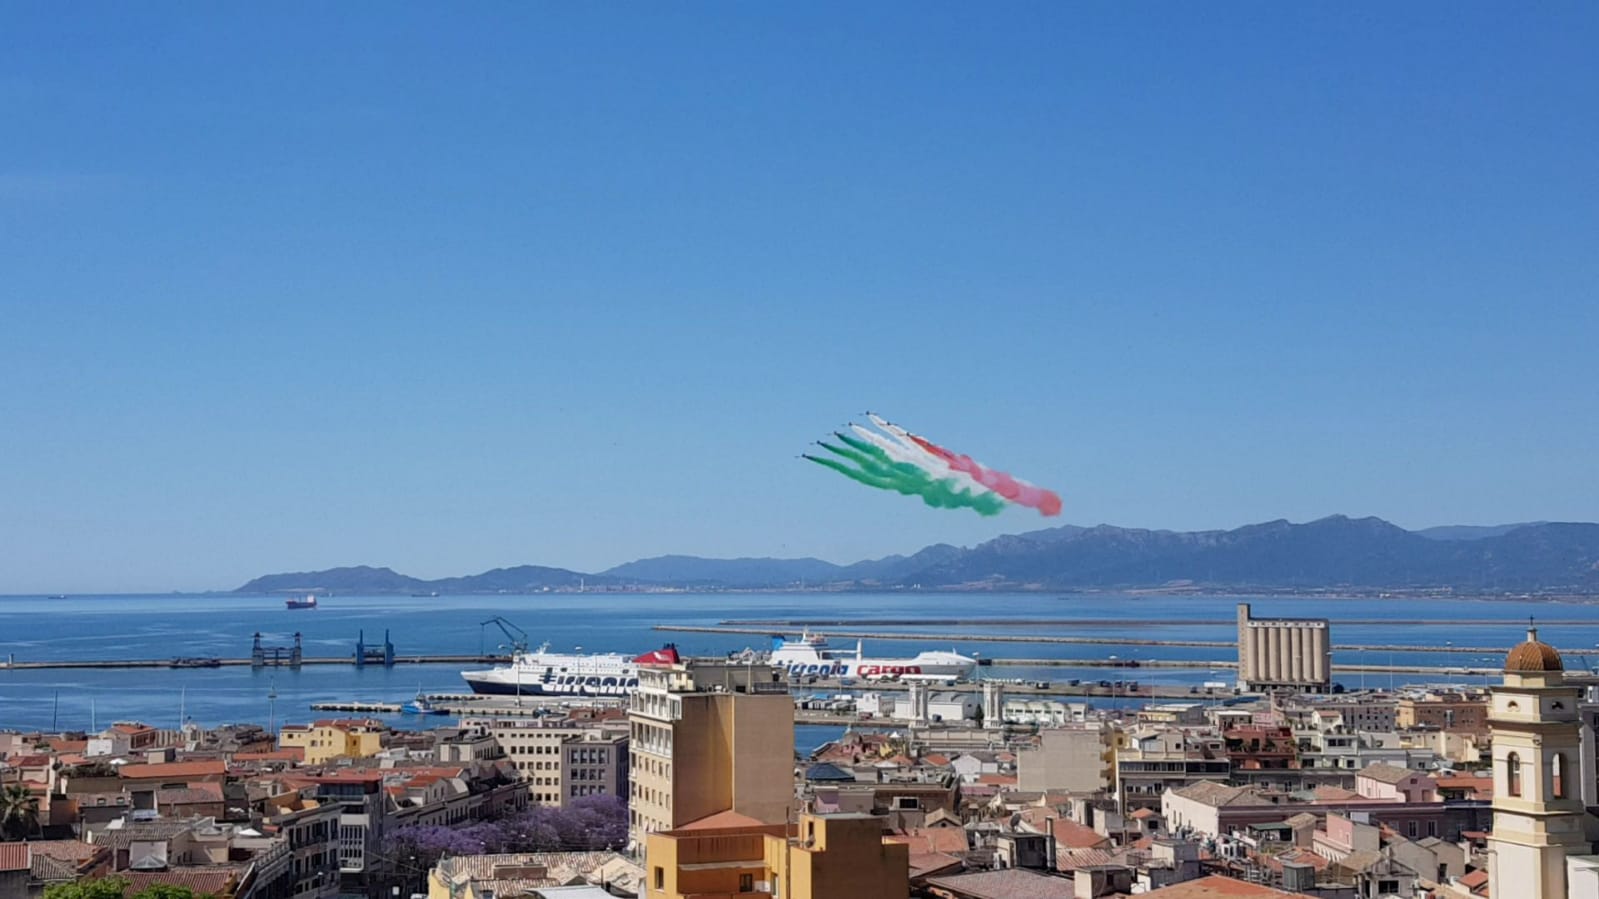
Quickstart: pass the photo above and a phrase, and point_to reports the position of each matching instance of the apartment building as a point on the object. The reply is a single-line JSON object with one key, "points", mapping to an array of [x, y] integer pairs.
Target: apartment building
{"points": [[709, 737]]}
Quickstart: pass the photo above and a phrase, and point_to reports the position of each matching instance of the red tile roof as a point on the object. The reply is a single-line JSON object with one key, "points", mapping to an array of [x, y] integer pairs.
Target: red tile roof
{"points": [[30, 761], [933, 839], [215, 880], [177, 770], [15, 857]]}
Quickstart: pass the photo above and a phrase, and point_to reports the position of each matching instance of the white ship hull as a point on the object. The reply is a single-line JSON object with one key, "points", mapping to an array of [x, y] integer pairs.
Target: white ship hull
{"points": [[810, 657], [543, 673]]}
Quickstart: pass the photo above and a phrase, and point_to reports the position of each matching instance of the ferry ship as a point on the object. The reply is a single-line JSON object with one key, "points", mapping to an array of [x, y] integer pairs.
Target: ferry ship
{"points": [[545, 673], [810, 656]]}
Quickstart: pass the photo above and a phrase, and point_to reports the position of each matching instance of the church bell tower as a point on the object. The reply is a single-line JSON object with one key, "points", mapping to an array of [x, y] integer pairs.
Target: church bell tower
{"points": [[1538, 816]]}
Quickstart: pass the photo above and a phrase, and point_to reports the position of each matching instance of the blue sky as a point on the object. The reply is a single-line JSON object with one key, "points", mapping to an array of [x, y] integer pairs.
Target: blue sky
{"points": [[452, 288]]}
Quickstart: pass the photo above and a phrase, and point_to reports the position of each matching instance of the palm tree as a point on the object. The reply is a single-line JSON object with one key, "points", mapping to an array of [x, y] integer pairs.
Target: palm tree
{"points": [[19, 812]]}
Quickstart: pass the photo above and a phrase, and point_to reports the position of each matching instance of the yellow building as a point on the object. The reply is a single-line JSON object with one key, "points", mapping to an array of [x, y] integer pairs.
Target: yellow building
{"points": [[709, 737], [839, 856], [333, 738]]}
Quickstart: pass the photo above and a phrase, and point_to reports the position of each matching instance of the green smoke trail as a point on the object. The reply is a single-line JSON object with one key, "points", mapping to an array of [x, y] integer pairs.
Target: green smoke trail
{"points": [[854, 474], [877, 469]]}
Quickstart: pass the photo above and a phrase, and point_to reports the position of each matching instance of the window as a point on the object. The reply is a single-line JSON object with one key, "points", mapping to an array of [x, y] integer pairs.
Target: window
{"points": [[746, 883], [1412, 830], [1557, 776], [660, 877], [1513, 774]]}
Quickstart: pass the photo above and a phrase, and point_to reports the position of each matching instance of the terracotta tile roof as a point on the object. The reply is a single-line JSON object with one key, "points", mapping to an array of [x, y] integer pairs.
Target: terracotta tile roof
{"points": [[933, 839], [1073, 859], [1385, 773], [216, 880], [30, 761], [15, 857], [1480, 787], [1298, 856], [1218, 795], [178, 770], [133, 728], [53, 870], [936, 759], [924, 864], [189, 795], [68, 850], [1218, 887], [998, 780]]}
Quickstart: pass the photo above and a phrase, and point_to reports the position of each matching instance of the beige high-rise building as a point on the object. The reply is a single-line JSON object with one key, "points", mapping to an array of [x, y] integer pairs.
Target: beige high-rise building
{"points": [[709, 737], [1539, 818]]}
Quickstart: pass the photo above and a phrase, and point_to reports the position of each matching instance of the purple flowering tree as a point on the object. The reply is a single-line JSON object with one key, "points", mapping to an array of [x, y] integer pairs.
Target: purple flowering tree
{"points": [[589, 823]]}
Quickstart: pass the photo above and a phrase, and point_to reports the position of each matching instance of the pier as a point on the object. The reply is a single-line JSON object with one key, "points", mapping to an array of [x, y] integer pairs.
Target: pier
{"points": [[370, 708]]}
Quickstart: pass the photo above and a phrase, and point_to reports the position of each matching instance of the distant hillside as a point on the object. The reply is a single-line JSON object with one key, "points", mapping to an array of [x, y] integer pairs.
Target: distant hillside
{"points": [[1331, 552], [726, 572], [365, 579], [359, 578], [1472, 531]]}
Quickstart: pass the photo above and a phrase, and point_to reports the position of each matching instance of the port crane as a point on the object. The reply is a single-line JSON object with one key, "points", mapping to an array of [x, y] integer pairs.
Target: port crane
{"points": [[516, 637]]}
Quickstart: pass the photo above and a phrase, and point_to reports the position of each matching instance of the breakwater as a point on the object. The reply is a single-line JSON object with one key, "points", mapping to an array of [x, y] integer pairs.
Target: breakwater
{"points": [[1452, 624], [1051, 638], [11, 664]]}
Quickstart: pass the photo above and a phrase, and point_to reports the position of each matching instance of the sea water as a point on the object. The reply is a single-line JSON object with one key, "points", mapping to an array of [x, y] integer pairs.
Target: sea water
{"points": [[163, 627]]}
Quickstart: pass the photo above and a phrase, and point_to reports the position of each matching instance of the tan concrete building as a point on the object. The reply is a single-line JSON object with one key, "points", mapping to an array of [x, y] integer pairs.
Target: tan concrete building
{"points": [[709, 737], [1444, 711], [1539, 818], [1291, 653], [1078, 759], [561, 759], [838, 856]]}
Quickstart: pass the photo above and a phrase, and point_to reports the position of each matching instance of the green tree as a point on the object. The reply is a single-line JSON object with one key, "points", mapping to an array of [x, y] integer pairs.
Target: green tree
{"points": [[19, 812], [107, 888]]}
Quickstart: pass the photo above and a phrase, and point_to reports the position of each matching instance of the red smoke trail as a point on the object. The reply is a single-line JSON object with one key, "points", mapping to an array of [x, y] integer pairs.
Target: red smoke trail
{"points": [[1047, 502]]}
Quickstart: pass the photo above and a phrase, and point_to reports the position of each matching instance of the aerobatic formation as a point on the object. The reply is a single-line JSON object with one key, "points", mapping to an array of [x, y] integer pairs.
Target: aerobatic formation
{"points": [[892, 458]]}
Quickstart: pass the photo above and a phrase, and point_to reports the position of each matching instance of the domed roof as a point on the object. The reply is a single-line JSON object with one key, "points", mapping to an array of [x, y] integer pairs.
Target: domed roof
{"points": [[1534, 656]]}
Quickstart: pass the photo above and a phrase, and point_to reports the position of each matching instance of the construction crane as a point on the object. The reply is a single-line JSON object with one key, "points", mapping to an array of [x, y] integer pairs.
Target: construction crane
{"points": [[514, 634]]}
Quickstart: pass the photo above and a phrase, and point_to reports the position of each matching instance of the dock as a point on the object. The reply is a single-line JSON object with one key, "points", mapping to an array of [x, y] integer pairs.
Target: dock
{"points": [[370, 708]]}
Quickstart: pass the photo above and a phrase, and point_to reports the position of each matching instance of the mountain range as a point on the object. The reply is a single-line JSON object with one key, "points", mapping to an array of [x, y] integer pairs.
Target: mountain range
{"points": [[1329, 553]]}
